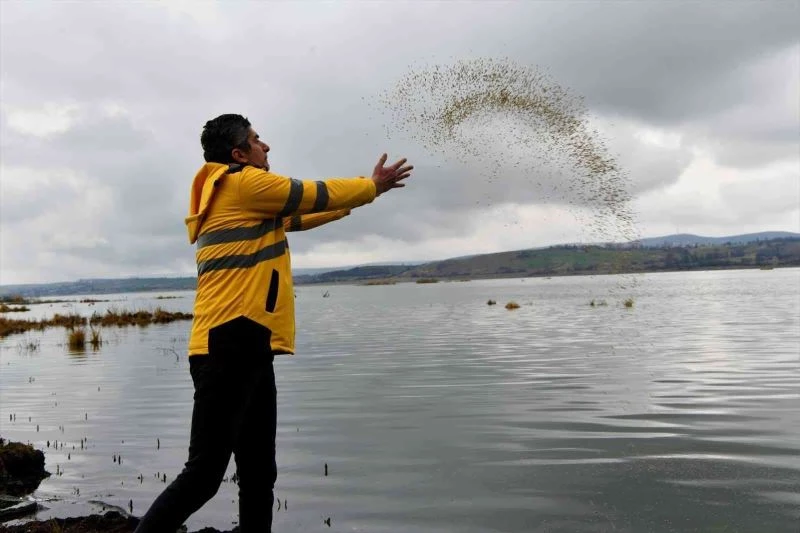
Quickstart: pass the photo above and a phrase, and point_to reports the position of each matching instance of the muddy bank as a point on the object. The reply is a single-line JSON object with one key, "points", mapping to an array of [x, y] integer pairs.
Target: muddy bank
{"points": [[21, 472], [21, 468], [110, 522]]}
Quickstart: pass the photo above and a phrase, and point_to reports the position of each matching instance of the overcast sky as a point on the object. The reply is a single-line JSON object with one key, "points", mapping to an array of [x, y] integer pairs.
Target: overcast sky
{"points": [[103, 103]]}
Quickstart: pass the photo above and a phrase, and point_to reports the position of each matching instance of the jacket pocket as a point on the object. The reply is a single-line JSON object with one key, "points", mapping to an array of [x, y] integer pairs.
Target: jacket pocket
{"points": [[272, 294]]}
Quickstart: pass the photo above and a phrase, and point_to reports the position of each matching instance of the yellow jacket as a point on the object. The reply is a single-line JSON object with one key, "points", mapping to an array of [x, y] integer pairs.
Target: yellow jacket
{"points": [[238, 217]]}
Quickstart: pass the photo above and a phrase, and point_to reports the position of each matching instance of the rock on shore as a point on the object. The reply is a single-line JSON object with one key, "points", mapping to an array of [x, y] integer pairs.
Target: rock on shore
{"points": [[21, 468]]}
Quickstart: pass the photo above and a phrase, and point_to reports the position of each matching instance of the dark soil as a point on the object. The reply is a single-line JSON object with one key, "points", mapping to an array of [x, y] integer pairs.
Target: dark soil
{"points": [[110, 522], [21, 468]]}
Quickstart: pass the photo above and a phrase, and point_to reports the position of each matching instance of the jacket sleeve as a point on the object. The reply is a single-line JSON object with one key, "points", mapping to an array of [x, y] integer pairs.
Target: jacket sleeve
{"points": [[266, 194], [306, 222]]}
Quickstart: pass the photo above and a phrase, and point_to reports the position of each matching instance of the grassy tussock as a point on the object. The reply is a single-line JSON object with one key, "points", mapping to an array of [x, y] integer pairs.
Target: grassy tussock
{"points": [[76, 338], [9, 309], [112, 317], [94, 337], [9, 326]]}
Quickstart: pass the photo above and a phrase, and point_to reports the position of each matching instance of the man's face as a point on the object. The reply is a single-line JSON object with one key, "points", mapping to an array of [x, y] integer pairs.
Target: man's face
{"points": [[258, 152]]}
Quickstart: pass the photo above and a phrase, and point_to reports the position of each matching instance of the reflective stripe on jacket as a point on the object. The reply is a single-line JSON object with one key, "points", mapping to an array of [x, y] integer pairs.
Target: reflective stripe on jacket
{"points": [[238, 217]]}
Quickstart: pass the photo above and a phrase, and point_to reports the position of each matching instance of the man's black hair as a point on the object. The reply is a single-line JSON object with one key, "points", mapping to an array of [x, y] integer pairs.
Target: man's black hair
{"points": [[221, 135]]}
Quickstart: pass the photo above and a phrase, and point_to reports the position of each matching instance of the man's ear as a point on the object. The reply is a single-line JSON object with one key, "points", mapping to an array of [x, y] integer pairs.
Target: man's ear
{"points": [[239, 156]]}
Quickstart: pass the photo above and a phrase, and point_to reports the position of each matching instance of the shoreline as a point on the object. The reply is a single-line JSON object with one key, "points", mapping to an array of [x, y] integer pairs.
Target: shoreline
{"points": [[22, 471], [111, 521], [371, 281]]}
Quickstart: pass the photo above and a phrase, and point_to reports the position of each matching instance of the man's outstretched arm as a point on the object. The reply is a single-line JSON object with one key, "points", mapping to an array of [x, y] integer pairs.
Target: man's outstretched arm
{"points": [[265, 194]]}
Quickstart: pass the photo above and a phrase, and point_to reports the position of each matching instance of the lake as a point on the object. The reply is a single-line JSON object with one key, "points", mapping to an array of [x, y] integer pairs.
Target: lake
{"points": [[436, 412]]}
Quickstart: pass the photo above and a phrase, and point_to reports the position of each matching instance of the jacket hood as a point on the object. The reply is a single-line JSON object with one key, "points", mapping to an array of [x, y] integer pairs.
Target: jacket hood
{"points": [[202, 192]]}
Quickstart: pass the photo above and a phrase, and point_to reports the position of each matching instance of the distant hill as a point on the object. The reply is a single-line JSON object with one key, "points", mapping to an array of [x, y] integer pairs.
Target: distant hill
{"points": [[565, 260], [756, 250], [99, 286], [356, 273], [685, 239]]}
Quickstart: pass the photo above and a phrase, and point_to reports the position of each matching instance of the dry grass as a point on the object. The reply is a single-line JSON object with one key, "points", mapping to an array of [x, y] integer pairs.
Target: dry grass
{"points": [[10, 326], [427, 280], [113, 317], [8, 309], [68, 321], [76, 338], [512, 305], [94, 337], [110, 318]]}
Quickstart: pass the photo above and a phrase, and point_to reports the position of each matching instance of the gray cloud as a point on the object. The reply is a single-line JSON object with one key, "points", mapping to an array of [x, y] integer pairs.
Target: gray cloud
{"points": [[107, 195]]}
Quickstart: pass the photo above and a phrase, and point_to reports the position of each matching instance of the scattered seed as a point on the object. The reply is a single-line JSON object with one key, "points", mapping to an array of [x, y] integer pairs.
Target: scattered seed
{"points": [[458, 109]]}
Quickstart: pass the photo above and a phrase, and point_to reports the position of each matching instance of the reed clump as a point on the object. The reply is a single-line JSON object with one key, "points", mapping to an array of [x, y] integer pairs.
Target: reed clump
{"points": [[512, 305], [76, 338], [161, 316], [71, 320], [114, 317], [628, 303], [9, 326], [427, 280], [94, 337], [10, 309]]}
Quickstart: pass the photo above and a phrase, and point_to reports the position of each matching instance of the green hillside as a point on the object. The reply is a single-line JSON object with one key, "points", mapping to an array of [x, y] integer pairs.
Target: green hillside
{"points": [[573, 260]]}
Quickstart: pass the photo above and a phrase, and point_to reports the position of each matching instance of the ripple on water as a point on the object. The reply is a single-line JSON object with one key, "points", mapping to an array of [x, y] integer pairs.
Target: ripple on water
{"points": [[680, 415]]}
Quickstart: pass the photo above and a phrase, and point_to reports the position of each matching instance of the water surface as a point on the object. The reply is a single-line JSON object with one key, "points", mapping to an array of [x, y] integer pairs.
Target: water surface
{"points": [[436, 412]]}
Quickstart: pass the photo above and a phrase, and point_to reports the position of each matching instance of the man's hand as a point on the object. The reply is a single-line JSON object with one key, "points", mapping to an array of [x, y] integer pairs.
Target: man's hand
{"points": [[386, 178]]}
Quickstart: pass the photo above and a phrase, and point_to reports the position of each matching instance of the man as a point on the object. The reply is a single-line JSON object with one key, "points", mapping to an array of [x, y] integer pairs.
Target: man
{"points": [[244, 313]]}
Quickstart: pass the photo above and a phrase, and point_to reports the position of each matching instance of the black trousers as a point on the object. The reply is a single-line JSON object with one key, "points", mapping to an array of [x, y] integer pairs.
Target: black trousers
{"points": [[235, 414]]}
